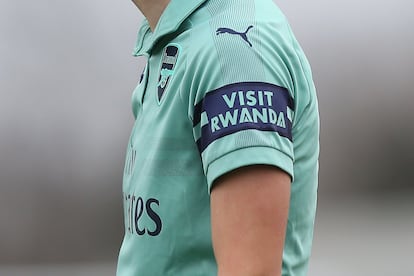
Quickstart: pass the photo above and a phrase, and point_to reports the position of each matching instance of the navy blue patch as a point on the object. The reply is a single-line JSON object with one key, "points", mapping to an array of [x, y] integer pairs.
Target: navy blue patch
{"points": [[242, 106], [168, 62]]}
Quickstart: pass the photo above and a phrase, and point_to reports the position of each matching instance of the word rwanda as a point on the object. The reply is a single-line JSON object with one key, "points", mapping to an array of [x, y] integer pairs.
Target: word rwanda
{"points": [[243, 106], [248, 115]]}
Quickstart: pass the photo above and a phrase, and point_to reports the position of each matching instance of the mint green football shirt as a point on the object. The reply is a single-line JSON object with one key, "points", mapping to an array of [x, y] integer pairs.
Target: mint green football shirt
{"points": [[226, 85]]}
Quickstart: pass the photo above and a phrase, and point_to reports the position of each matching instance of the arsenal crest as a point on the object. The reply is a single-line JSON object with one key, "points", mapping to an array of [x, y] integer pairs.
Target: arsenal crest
{"points": [[168, 62]]}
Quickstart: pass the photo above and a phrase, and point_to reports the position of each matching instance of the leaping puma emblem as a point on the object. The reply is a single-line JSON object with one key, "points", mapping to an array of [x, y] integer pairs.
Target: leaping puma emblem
{"points": [[231, 31]]}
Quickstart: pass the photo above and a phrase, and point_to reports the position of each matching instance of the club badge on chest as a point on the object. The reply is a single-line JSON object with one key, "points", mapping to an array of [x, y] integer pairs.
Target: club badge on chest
{"points": [[167, 69]]}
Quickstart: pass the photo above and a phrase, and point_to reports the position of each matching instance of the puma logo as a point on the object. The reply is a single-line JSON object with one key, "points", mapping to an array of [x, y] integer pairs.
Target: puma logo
{"points": [[231, 31]]}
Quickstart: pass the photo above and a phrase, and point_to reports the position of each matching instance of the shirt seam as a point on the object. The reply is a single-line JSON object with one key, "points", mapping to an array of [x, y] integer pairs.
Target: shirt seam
{"points": [[296, 118], [234, 150]]}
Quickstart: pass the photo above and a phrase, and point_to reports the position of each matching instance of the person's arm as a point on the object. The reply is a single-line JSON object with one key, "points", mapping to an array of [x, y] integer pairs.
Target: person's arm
{"points": [[249, 210]]}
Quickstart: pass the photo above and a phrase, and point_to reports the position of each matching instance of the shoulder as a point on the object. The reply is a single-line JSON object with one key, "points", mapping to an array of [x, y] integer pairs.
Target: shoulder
{"points": [[251, 41]]}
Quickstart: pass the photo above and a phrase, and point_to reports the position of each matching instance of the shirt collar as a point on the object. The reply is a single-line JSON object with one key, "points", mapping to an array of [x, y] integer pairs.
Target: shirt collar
{"points": [[171, 19]]}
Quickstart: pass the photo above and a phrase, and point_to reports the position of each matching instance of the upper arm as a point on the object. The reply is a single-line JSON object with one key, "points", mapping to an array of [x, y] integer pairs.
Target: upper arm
{"points": [[249, 210], [242, 107]]}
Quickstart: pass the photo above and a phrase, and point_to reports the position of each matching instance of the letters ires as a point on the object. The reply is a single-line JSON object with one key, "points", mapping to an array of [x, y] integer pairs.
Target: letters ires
{"points": [[140, 213]]}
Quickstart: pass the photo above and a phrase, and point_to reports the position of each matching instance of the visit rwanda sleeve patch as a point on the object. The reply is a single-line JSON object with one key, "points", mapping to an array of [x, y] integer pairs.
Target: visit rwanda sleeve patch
{"points": [[243, 106]]}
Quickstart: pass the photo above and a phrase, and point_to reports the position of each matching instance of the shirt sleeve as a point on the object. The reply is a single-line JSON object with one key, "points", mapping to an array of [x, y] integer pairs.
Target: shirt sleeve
{"points": [[241, 107]]}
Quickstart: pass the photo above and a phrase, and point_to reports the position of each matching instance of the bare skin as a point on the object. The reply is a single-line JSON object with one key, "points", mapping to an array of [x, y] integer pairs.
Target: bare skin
{"points": [[152, 10], [249, 209]]}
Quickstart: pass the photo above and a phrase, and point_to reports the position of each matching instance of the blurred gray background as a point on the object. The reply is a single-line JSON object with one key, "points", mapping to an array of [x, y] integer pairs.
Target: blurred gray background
{"points": [[66, 77]]}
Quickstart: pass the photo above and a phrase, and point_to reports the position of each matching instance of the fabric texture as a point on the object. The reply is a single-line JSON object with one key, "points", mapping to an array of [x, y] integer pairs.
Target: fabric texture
{"points": [[226, 85]]}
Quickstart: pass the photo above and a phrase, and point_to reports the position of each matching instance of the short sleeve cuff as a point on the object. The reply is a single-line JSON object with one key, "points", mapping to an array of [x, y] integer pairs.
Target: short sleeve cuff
{"points": [[246, 157]]}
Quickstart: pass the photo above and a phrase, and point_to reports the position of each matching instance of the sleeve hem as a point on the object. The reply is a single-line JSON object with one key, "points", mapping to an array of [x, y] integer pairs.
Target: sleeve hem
{"points": [[245, 157]]}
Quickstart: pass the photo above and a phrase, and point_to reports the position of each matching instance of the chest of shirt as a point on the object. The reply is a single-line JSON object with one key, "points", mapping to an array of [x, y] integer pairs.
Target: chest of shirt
{"points": [[162, 141]]}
